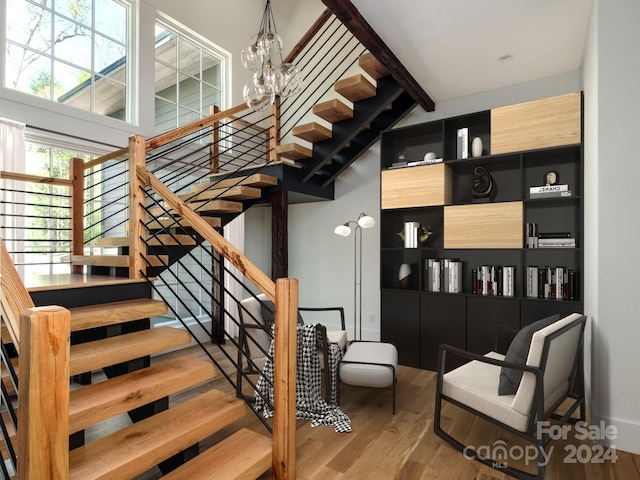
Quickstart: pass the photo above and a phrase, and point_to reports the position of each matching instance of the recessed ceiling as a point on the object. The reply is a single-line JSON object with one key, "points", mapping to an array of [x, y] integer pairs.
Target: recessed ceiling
{"points": [[455, 48]]}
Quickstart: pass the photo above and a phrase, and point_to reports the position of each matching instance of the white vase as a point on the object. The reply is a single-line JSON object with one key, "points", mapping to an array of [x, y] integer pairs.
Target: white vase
{"points": [[476, 147], [404, 274]]}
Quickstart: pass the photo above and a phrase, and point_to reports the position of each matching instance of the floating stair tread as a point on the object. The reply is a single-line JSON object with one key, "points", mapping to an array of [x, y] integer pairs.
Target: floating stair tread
{"points": [[372, 66], [355, 88], [133, 450], [116, 260], [333, 111], [89, 356], [294, 151], [171, 222], [244, 455], [212, 206], [258, 180], [104, 400], [239, 192], [311, 132], [103, 314], [153, 241]]}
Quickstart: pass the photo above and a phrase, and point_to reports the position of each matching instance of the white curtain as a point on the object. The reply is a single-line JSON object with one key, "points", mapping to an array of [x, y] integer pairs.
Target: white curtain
{"points": [[12, 159], [234, 233]]}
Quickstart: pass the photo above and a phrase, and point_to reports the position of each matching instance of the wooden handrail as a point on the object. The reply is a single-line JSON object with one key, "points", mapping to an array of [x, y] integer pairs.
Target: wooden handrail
{"points": [[15, 298], [24, 177], [221, 244]]}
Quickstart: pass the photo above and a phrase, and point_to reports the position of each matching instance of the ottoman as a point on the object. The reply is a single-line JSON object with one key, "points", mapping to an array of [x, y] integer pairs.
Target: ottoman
{"points": [[370, 364]]}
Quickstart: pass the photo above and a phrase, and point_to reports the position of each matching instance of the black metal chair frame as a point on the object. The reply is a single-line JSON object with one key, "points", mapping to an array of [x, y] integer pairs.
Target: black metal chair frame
{"points": [[537, 411], [244, 337]]}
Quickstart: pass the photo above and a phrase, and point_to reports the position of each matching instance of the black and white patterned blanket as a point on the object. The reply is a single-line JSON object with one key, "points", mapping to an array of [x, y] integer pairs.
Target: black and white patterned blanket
{"points": [[310, 405]]}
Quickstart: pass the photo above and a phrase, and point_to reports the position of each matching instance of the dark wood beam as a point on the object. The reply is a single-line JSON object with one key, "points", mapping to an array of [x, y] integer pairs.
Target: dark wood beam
{"points": [[349, 15]]}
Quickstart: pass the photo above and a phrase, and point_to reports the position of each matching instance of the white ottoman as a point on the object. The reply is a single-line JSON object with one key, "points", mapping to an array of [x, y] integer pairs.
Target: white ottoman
{"points": [[370, 364]]}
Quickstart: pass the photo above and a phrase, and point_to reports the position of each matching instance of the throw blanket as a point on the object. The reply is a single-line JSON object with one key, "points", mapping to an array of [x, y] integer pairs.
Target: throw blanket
{"points": [[310, 405]]}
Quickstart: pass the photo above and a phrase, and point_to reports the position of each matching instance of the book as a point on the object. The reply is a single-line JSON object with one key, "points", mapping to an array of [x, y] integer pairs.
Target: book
{"points": [[463, 143], [556, 242], [415, 163], [549, 188], [532, 235], [564, 194], [508, 280], [555, 235]]}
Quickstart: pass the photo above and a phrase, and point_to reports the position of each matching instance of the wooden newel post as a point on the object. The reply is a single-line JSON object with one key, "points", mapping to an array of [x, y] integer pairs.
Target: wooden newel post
{"points": [[274, 132], [284, 387], [137, 232], [214, 149], [77, 210], [43, 394]]}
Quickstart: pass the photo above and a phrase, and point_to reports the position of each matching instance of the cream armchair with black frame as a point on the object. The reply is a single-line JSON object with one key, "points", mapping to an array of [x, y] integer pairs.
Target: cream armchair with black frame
{"points": [[256, 318], [518, 390]]}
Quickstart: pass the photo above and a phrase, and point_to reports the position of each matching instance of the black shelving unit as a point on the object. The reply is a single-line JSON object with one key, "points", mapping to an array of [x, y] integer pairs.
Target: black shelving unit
{"points": [[418, 320]]}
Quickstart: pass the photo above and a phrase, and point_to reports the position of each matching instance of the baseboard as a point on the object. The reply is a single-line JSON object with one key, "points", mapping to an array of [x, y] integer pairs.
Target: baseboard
{"points": [[627, 437]]}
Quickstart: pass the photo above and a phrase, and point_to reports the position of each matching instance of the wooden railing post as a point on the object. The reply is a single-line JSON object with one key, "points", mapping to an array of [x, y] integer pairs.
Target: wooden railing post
{"points": [[274, 132], [214, 149], [137, 157], [43, 394], [284, 385], [77, 210]]}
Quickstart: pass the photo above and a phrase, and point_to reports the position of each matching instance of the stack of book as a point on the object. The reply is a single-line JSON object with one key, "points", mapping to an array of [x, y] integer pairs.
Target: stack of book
{"points": [[549, 191], [443, 275], [556, 240], [557, 283], [415, 163], [462, 147], [495, 280]]}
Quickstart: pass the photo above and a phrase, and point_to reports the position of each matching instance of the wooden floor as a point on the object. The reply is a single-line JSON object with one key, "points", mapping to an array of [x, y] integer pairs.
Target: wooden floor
{"points": [[404, 446]]}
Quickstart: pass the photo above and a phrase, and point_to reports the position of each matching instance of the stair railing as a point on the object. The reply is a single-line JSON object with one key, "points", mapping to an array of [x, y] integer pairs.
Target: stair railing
{"points": [[41, 337]]}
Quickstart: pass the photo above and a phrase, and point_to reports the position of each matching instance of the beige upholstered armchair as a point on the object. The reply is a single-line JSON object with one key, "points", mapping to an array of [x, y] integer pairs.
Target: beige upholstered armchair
{"points": [[517, 390]]}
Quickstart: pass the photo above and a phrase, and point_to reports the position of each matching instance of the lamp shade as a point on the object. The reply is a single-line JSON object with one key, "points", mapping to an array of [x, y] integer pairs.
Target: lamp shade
{"points": [[365, 221], [342, 230]]}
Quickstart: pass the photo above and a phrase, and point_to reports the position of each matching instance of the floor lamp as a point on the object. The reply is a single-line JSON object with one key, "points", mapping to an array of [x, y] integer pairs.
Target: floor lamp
{"points": [[344, 230]]}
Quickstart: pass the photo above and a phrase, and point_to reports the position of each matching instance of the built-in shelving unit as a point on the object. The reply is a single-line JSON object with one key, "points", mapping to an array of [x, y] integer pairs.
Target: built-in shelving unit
{"points": [[521, 144]]}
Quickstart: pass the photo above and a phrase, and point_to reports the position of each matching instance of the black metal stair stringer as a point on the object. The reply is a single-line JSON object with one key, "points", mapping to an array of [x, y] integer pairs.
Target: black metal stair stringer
{"points": [[352, 136]]}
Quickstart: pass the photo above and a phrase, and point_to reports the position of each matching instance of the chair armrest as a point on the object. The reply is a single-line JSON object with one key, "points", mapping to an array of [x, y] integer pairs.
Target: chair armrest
{"points": [[504, 337], [444, 349], [340, 310]]}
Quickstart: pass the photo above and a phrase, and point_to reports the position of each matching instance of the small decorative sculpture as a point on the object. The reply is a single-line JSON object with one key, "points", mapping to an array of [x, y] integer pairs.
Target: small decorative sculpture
{"points": [[483, 183], [404, 275], [423, 234]]}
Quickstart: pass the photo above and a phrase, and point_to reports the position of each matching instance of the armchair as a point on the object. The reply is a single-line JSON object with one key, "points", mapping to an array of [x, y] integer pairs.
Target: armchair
{"points": [[552, 359], [256, 318]]}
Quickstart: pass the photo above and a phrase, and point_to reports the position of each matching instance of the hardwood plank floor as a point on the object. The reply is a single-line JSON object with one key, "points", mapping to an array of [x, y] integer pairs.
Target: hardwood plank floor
{"points": [[403, 446]]}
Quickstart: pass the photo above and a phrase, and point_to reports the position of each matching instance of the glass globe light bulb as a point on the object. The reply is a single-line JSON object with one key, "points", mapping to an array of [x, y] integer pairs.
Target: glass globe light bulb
{"points": [[255, 99], [289, 80], [251, 58], [270, 43]]}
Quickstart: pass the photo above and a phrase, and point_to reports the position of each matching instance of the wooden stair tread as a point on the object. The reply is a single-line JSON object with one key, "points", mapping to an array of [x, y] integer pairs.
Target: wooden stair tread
{"points": [[103, 314], [311, 132], [104, 400], [6, 378], [239, 192], [153, 241], [133, 450], [355, 88], [173, 222], [293, 151], [89, 356], [372, 66], [210, 206], [243, 455], [116, 260], [258, 180], [333, 111]]}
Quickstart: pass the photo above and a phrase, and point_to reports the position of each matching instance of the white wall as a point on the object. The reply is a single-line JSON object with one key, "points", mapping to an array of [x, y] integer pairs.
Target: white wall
{"points": [[613, 166]]}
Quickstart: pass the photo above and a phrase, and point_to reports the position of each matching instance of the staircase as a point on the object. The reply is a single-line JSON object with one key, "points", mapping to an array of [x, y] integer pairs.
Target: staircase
{"points": [[114, 336]]}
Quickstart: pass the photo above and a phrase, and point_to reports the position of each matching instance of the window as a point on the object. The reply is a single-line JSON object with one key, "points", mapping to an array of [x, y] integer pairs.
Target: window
{"points": [[70, 51], [189, 75]]}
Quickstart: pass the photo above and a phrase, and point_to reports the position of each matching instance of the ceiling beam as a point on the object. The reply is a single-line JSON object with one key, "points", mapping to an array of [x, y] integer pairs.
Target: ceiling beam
{"points": [[349, 15]]}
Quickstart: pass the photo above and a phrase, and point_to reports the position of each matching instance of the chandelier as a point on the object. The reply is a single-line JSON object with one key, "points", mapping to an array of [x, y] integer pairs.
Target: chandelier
{"points": [[271, 75]]}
